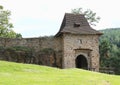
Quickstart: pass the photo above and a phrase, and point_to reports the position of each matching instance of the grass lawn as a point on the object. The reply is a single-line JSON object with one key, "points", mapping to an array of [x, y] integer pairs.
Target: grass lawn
{"points": [[27, 74]]}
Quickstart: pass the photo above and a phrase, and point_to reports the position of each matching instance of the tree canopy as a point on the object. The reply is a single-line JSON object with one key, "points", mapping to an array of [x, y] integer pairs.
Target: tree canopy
{"points": [[89, 14], [110, 49], [5, 25]]}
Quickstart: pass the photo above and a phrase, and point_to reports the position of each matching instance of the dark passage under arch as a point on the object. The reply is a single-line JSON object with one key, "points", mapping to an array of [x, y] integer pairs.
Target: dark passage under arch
{"points": [[81, 62]]}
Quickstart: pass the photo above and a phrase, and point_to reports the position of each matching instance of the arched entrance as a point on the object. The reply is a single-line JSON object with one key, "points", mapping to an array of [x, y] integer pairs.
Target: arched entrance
{"points": [[81, 62]]}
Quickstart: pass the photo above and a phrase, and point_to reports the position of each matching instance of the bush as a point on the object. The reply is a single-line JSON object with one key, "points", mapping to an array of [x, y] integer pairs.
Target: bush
{"points": [[47, 50]]}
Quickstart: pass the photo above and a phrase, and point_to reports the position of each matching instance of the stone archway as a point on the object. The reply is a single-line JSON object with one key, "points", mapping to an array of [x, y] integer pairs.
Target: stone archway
{"points": [[81, 62]]}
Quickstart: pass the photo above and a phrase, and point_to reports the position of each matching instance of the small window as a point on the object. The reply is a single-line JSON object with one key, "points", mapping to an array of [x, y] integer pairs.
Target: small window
{"points": [[76, 24], [80, 41]]}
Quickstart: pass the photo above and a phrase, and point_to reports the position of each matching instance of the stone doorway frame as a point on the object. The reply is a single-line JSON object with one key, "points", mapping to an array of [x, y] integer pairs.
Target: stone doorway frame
{"points": [[81, 62], [86, 53]]}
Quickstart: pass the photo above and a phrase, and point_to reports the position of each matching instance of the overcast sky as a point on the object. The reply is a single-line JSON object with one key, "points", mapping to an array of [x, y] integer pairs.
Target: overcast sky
{"points": [[34, 18]]}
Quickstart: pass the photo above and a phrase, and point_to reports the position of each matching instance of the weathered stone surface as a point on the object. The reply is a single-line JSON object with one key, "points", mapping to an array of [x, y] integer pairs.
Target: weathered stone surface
{"points": [[86, 45], [38, 56]]}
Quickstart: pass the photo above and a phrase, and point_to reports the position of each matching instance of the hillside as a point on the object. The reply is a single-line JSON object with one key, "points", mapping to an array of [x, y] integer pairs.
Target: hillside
{"points": [[24, 74], [112, 34], [110, 49]]}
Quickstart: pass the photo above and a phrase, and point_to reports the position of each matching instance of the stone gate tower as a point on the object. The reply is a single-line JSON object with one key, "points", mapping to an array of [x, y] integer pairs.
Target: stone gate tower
{"points": [[80, 43]]}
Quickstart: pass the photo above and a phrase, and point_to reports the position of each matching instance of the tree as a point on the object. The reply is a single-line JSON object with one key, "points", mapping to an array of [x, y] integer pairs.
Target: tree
{"points": [[105, 48], [5, 25], [89, 14], [110, 49]]}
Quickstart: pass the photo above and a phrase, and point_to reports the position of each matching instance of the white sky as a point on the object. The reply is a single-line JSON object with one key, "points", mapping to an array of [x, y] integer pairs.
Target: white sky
{"points": [[34, 18]]}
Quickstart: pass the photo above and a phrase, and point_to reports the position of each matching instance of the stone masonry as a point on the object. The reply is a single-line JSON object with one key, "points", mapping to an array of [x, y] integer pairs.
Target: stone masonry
{"points": [[75, 45], [88, 47]]}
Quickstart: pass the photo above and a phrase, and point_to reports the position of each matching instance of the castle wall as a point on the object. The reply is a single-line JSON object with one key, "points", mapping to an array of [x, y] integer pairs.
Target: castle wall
{"points": [[35, 43], [52, 56], [66, 49], [72, 42]]}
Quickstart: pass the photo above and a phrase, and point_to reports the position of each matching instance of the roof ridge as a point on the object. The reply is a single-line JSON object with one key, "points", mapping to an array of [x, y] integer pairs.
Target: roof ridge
{"points": [[74, 14]]}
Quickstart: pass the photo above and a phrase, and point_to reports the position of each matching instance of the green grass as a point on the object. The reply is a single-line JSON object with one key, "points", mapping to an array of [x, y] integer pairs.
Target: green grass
{"points": [[26, 74]]}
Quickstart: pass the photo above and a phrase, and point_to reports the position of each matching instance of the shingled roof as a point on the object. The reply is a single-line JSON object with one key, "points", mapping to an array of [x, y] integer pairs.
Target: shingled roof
{"points": [[76, 24]]}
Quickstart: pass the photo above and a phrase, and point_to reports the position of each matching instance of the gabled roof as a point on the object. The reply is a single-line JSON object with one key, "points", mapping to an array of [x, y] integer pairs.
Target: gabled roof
{"points": [[76, 24]]}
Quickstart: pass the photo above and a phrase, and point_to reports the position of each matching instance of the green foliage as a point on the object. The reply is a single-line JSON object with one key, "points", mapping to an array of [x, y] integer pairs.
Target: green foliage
{"points": [[47, 50], [15, 51], [22, 48], [17, 48], [5, 25], [1, 48], [104, 52], [47, 37], [115, 62], [110, 49], [89, 14], [17, 54], [26, 74]]}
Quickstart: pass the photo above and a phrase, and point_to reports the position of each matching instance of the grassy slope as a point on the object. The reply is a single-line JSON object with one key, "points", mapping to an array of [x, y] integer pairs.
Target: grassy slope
{"points": [[24, 74]]}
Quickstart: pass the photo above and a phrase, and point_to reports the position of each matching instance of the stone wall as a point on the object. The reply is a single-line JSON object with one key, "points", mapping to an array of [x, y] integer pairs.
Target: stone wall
{"points": [[58, 52], [85, 42], [35, 43], [49, 58], [38, 55]]}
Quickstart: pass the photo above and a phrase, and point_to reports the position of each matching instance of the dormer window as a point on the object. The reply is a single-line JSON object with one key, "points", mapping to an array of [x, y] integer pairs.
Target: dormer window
{"points": [[80, 41], [76, 24]]}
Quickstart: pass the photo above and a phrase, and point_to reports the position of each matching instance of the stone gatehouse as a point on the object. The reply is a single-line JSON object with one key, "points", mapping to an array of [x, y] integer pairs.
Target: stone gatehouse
{"points": [[75, 45]]}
